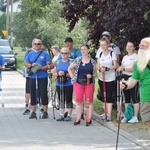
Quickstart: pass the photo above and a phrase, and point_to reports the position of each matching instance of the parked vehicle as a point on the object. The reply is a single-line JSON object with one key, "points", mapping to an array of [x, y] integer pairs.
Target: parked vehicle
{"points": [[4, 42], [9, 57]]}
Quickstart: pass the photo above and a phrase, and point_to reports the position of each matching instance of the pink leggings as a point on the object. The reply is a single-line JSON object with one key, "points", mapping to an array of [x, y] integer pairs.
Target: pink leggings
{"points": [[82, 92]]}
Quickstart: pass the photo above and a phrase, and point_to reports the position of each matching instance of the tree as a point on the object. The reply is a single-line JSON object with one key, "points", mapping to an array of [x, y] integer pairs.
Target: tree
{"points": [[46, 25], [126, 20], [2, 23]]}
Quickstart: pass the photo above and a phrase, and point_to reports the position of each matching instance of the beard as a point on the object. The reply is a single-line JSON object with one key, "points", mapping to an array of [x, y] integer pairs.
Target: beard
{"points": [[143, 59]]}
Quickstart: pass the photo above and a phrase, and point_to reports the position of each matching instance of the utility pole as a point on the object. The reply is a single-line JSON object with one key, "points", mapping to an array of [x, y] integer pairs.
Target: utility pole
{"points": [[11, 28], [7, 18]]}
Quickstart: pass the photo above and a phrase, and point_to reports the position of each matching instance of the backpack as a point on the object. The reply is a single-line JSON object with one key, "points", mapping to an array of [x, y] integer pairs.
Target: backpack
{"points": [[129, 111]]}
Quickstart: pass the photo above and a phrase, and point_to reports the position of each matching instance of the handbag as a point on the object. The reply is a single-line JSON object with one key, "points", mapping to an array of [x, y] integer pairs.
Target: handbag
{"points": [[32, 70]]}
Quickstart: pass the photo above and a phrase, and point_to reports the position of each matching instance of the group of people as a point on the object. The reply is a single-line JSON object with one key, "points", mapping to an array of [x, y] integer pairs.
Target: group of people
{"points": [[74, 71]]}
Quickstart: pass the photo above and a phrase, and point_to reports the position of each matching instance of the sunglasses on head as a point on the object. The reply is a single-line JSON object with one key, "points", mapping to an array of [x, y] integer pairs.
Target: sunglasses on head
{"points": [[64, 53], [37, 43]]}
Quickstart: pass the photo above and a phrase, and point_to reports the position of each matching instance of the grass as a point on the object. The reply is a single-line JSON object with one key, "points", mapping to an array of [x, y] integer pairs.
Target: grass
{"points": [[20, 57]]}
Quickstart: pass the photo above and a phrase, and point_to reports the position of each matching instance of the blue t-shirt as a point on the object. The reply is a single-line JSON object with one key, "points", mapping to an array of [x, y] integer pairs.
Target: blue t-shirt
{"points": [[42, 59], [73, 54], [63, 66], [2, 62]]}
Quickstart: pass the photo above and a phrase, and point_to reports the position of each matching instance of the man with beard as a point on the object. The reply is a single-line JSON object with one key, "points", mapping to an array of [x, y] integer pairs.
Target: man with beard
{"points": [[141, 72]]}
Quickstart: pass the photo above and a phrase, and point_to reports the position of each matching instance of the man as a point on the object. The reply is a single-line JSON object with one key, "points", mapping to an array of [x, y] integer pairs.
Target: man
{"points": [[2, 66], [74, 53], [141, 72], [37, 57]]}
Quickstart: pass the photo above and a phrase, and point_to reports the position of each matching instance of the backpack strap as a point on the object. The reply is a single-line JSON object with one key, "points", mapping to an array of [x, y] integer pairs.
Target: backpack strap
{"points": [[102, 52]]}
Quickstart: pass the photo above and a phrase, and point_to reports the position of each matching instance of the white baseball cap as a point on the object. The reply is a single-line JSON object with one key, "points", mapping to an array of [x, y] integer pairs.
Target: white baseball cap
{"points": [[106, 33]]}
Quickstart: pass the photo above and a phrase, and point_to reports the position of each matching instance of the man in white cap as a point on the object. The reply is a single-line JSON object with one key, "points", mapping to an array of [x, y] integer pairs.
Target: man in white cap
{"points": [[141, 73]]}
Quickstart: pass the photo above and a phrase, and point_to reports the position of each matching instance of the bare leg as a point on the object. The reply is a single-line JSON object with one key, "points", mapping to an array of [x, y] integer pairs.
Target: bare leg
{"points": [[78, 111], [136, 109]]}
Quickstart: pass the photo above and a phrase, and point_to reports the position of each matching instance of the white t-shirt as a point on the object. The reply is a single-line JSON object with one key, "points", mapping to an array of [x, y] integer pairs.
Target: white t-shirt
{"points": [[128, 62], [107, 61]]}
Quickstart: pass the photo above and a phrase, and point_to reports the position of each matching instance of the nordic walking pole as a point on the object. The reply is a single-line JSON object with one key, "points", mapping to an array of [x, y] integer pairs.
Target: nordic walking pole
{"points": [[104, 94], [120, 109], [87, 102]]}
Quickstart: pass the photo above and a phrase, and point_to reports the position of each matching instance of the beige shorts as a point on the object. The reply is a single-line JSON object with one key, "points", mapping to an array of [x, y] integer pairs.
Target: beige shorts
{"points": [[145, 111]]}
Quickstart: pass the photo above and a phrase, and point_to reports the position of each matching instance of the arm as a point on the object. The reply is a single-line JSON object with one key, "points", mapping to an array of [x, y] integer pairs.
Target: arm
{"points": [[71, 69], [128, 84]]}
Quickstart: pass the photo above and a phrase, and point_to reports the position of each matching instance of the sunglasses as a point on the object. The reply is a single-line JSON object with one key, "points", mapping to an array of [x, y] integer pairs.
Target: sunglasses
{"points": [[37, 43], [64, 53]]}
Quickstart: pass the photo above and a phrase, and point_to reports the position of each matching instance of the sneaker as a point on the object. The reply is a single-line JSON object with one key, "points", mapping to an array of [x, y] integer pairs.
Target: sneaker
{"points": [[102, 116], [45, 115], [61, 118], [65, 114], [108, 117], [124, 120], [33, 115], [133, 120], [68, 118], [26, 112]]}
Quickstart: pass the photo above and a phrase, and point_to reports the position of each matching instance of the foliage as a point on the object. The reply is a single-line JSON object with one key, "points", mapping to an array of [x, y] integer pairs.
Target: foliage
{"points": [[2, 24], [124, 19], [46, 25]]}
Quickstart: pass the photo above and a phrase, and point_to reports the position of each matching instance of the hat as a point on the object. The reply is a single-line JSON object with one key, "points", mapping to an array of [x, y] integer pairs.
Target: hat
{"points": [[68, 39], [106, 33]]}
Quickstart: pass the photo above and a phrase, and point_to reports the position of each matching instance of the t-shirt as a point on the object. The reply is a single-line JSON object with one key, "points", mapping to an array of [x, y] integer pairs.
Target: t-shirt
{"points": [[144, 79], [63, 66], [128, 62], [107, 61], [42, 59], [2, 62]]}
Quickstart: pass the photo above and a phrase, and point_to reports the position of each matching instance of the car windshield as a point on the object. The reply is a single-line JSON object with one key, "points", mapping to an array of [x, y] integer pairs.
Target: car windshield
{"points": [[5, 50]]}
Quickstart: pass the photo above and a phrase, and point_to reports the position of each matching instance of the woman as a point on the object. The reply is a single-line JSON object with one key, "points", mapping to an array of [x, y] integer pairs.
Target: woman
{"points": [[82, 72], [107, 63], [64, 86], [127, 68], [56, 52]]}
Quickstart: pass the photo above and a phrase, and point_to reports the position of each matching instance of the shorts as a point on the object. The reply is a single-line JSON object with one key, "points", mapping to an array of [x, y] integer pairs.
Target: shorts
{"points": [[83, 92], [145, 111]]}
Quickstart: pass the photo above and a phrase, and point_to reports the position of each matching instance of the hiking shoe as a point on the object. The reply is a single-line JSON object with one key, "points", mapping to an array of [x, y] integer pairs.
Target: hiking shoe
{"points": [[108, 117], [68, 118], [45, 115], [124, 120], [65, 114], [61, 118], [133, 120], [33, 115], [26, 112]]}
